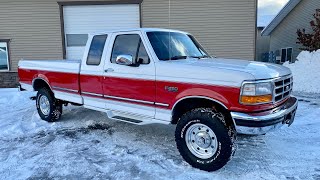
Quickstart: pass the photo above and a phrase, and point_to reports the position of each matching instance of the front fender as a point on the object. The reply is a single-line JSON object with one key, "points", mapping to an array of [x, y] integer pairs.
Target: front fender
{"points": [[202, 93]]}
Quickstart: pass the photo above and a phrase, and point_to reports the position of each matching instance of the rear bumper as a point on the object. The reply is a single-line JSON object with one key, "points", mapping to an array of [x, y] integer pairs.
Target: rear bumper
{"points": [[263, 122]]}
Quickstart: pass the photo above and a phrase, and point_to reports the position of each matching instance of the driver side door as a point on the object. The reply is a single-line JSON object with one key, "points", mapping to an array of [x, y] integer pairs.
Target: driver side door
{"points": [[129, 89]]}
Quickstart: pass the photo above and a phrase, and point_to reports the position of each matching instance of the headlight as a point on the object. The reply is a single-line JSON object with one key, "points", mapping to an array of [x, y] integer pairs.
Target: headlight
{"points": [[256, 93]]}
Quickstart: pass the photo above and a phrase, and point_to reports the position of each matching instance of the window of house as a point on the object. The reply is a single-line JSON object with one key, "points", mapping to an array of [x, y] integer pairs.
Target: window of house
{"points": [[96, 50], [76, 40], [286, 54], [4, 56], [130, 44], [289, 54]]}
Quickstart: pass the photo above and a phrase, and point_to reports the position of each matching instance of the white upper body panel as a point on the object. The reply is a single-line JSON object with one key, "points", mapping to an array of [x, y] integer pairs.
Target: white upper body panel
{"points": [[68, 66], [218, 71], [212, 71]]}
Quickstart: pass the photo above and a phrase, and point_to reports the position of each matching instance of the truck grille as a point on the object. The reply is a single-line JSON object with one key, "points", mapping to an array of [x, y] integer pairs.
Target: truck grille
{"points": [[283, 88]]}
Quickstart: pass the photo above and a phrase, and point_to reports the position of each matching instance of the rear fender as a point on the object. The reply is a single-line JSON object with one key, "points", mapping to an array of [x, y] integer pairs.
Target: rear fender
{"points": [[38, 79]]}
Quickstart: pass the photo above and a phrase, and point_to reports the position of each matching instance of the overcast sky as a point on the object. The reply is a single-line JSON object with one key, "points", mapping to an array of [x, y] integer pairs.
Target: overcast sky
{"points": [[268, 9]]}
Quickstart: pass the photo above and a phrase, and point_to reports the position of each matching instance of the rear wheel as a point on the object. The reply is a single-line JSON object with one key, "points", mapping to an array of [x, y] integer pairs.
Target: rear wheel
{"points": [[204, 139], [49, 108]]}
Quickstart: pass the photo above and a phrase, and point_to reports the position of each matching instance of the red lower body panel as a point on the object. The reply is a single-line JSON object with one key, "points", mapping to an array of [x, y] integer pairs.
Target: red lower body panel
{"points": [[159, 92]]}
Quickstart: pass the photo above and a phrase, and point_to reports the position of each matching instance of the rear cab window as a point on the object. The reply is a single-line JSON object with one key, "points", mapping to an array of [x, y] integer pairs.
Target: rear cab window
{"points": [[96, 50]]}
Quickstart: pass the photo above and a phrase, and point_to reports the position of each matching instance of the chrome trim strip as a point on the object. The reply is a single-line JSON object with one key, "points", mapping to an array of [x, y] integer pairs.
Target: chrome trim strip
{"points": [[201, 97], [162, 104], [64, 89], [92, 94], [127, 99]]}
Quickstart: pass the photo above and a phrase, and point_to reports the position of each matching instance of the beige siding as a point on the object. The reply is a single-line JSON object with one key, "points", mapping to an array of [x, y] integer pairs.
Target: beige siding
{"points": [[263, 44], [284, 35], [33, 27], [226, 28]]}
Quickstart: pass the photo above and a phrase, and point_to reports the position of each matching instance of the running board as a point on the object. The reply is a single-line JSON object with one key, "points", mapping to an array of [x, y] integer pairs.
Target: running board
{"points": [[129, 118], [135, 121]]}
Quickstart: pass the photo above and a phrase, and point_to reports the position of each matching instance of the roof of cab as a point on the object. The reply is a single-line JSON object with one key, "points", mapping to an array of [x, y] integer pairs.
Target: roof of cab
{"points": [[137, 29]]}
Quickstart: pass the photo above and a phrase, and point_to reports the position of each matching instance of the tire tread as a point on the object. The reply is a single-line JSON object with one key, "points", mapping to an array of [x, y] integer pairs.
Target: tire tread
{"points": [[217, 118]]}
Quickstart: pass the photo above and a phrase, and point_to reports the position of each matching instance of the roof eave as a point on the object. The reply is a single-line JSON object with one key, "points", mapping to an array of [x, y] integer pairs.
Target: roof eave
{"points": [[279, 17]]}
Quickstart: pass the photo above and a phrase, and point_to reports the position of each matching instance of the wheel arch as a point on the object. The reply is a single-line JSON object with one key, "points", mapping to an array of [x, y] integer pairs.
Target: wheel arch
{"points": [[39, 82], [190, 102]]}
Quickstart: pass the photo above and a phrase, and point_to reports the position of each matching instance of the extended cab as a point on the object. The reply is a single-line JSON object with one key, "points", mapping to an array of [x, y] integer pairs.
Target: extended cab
{"points": [[144, 76]]}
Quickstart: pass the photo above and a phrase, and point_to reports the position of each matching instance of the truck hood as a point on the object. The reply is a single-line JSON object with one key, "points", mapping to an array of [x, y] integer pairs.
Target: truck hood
{"points": [[258, 69], [218, 69]]}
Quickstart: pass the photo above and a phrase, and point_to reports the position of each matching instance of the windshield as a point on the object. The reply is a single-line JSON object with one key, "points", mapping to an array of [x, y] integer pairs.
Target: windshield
{"points": [[174, 46]]}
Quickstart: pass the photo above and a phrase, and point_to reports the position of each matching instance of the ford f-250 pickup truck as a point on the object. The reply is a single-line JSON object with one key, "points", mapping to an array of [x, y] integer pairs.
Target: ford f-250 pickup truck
{"points": [[144, 76]]}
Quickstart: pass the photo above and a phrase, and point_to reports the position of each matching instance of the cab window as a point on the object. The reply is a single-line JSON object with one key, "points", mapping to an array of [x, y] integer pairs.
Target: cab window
{"points": [[130, 44], [96, 50]]}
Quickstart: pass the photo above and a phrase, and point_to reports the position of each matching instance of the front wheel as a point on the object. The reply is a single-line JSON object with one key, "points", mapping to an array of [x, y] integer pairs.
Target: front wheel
{"points": [[49, 108], [204, 139]]}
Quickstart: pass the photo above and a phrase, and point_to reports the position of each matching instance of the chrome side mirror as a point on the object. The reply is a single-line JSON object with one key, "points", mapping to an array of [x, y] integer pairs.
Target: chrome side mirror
{"points": [[124, 60]]}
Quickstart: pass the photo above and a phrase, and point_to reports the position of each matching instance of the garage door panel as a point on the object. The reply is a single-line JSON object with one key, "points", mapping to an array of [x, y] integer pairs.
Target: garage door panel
{"points": [[85, 19], [75, 53]]}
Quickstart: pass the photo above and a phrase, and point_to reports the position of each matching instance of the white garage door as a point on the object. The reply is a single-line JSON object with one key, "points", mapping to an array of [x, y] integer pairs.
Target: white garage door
{"points": [[84, 19]]}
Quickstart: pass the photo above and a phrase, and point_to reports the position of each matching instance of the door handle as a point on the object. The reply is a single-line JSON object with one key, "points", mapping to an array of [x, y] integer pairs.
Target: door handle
{"points": [[109, 70]]}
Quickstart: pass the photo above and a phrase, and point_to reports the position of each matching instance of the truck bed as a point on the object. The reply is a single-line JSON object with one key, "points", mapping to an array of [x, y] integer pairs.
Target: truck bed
{"points": [[61, 75], [61, 65]]}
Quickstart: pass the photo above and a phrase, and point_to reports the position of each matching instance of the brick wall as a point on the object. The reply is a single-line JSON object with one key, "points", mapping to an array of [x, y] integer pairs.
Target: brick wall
{"points": [[8, 79]]}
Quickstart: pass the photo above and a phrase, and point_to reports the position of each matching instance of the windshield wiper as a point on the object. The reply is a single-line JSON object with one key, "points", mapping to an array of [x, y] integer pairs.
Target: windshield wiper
{"points": [[185, 57], [201, 57], [177, 57]]}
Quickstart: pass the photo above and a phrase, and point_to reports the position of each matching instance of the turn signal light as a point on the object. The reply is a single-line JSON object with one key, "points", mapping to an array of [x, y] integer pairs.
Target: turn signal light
{"points": [[256, 99]]}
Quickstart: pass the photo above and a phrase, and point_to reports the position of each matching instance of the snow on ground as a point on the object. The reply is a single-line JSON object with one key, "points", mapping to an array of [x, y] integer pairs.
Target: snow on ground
{"points": [[306, 72], [84, 144]]}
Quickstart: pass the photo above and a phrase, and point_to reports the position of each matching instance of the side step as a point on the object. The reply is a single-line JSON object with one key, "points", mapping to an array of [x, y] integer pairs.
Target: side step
{"points": [[135, 121]]}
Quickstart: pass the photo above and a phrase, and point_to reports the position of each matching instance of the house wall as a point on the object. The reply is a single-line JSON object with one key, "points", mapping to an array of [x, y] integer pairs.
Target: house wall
{"points": [[8, 80], [225, 28], [285, 34], [263, 44], [33, 28]]}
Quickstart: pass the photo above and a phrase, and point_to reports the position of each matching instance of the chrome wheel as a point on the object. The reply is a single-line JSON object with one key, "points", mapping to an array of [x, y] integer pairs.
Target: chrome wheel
{"points": [[201, 141], [44, 105]]}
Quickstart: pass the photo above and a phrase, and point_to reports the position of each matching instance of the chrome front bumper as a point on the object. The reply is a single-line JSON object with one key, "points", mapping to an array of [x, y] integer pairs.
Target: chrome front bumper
{"points": [[263, 122]]}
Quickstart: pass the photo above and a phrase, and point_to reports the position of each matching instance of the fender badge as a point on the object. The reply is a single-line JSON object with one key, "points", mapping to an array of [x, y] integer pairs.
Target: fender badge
{"points": [[171, 89]]}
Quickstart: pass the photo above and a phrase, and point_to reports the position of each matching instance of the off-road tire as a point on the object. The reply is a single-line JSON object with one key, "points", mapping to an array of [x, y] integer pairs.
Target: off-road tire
{"points": [[55, 106], [226, 137]]}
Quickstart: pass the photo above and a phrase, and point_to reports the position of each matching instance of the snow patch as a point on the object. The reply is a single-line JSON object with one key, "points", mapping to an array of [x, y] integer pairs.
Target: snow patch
{"points": [[84, 144], [306, 72]]}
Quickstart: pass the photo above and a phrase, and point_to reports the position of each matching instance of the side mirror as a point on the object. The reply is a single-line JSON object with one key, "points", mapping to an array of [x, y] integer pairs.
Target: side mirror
{"points": [[125, 60]]}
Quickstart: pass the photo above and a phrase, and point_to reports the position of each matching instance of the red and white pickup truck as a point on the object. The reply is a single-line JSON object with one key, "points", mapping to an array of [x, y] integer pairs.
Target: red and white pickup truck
{"points": [[144, 76]]}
